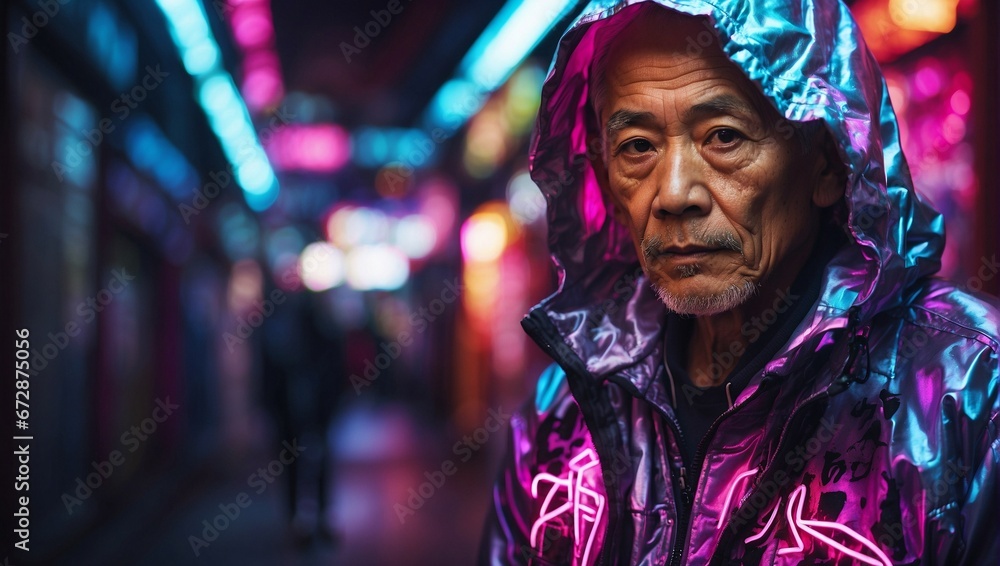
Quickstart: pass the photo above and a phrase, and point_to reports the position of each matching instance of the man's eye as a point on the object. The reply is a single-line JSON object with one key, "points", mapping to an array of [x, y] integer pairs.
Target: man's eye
{"points": [[725, 136], [637, 146]]}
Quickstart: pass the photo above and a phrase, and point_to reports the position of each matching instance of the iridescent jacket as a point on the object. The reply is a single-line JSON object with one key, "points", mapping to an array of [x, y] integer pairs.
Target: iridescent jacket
{"points": [[870, 438]]}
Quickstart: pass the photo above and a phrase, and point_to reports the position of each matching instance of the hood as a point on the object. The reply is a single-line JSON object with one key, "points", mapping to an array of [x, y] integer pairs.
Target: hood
{"points": [[810, 61]]}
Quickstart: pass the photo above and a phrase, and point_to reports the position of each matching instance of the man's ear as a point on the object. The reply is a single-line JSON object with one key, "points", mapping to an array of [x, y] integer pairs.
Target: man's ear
{"points": [[831, 179], [603, 181]]}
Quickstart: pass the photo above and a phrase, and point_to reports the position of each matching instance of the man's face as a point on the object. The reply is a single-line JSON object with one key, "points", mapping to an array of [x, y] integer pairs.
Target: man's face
{"points": [[716, 190]]}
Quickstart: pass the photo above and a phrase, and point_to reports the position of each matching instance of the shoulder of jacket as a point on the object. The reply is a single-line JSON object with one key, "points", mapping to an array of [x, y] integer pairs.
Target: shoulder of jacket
{"points": [[945, 335], [943, 305]]}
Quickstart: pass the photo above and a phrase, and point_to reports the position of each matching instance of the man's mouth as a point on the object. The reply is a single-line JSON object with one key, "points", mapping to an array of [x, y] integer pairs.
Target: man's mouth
{"points": [[655, 248], [681, 256]]}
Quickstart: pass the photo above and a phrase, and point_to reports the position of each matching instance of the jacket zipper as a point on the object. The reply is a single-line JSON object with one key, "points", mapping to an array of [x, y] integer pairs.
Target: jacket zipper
{"points": [[689, 491], [684, 509]]}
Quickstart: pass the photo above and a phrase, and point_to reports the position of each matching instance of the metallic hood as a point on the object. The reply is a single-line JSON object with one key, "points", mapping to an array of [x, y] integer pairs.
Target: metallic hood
{"points": [[810, 61]]}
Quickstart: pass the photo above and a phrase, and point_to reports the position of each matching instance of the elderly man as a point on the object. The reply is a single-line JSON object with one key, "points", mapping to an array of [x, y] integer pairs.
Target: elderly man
{"points": [[753, 363]]}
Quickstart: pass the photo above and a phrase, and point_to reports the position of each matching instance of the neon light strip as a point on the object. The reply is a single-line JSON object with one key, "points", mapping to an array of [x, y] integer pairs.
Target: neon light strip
{"points": [[760, 535], [545, 517], [510, 37], [221, 101], [809, 526], [514, 32], [594, 514], [583, 513], [883, 560], [593, 530], [729, 496], [795, 499], [574, 463]]}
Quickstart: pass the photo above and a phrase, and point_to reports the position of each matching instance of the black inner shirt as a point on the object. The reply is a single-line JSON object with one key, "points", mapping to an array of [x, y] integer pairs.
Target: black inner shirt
{"points": [[697, 408]]}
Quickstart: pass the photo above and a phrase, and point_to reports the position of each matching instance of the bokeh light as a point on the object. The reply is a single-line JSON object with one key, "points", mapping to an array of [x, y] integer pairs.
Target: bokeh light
{"points": [[377, 267], [321, 266], [484, 237], [527, 204], [415, 235]]}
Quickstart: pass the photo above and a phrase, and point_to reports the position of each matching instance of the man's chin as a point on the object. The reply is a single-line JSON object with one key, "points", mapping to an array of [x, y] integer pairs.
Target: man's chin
{"points": [[706, 305]]}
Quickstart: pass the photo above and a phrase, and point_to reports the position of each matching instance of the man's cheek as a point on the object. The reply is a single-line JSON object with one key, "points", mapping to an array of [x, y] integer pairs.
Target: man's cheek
{"points": [[624, 211], [637, 224]]}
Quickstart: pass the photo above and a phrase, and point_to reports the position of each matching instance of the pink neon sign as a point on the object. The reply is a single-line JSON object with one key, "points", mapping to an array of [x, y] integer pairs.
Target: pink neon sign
{"points": [[584, 505], [321, 148], [253, 30], [798, 525]]}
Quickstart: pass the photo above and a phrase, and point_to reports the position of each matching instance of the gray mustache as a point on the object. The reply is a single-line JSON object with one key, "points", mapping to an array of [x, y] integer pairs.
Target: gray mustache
{"points": [[723, 240]]}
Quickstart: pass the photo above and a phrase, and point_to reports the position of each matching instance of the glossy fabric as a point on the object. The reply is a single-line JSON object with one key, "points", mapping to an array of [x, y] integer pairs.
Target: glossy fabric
{"points": [[870, 438]]}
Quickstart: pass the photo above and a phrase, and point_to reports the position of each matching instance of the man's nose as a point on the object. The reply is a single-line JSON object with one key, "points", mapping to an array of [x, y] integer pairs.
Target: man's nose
{"points": [[681, 189]]}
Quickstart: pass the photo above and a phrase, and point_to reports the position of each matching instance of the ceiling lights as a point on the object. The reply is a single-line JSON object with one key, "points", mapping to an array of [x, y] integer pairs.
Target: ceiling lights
{"points": [[223, 105]]}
